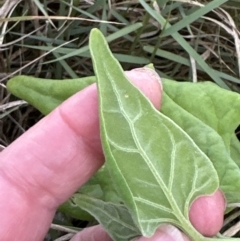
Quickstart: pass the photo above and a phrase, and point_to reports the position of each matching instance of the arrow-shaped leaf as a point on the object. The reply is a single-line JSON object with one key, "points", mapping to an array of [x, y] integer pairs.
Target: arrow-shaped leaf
{"points": [[156, 167]]}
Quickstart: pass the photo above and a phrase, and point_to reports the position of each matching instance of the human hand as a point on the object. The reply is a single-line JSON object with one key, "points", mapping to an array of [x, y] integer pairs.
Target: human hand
{"points": [[48, 163]]}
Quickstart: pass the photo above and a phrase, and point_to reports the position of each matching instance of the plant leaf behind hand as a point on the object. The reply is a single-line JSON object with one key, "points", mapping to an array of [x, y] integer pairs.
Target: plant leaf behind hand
{"points": [[216, 107], [207, 139]]}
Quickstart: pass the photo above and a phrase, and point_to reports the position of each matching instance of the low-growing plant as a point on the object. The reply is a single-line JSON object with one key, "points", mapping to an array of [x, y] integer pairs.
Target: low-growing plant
{"points": [[157, 162]]}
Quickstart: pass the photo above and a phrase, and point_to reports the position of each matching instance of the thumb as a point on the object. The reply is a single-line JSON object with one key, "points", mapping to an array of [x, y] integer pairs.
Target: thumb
{"points": [[166, 232], [50, 161]]}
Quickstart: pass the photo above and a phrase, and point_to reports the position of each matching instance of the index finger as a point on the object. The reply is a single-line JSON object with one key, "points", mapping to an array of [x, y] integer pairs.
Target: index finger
{"points": [[48, 163]]}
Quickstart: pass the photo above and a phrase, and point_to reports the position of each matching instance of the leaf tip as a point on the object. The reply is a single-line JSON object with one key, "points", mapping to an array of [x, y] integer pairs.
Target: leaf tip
{"points": [[95, 33], [150, 66]]}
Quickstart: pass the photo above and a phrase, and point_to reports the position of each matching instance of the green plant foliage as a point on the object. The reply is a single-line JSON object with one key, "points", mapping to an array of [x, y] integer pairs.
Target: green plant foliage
{"points": [[115, 218], [99, 199], [235, 149], [99, 187], [46, 94], [157, 163], [211, 104], [103, 178], [72, 209], [176, 169], [207, 139]]}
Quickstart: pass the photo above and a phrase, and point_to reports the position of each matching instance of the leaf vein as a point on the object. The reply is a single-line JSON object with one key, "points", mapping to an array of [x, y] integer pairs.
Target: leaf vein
{"points": [[139, 199]]}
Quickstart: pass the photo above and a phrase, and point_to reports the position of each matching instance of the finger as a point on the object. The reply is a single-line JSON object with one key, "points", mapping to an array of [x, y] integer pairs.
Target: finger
{"points": [[207, 212], [95, 233], [63, 150], [48, 163], [164, 233]]}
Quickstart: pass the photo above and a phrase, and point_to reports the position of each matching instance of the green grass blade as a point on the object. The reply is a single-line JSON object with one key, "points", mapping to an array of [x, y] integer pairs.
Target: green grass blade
{"points": [[185, 45], [192, 17]]}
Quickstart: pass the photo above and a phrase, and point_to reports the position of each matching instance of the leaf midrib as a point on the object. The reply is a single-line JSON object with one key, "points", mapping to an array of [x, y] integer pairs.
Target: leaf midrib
{"points": [[176, 211]]}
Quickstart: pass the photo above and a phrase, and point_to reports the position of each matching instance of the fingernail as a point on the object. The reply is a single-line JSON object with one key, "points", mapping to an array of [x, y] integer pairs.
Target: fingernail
{"points": [[148, 71]]}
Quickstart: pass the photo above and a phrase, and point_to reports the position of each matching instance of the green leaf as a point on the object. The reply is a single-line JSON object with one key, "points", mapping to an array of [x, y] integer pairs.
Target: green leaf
{"points": [[235, 149], [98, 187], [103, 178], [115, 218], [209, 141], [98, 200], [216, 107], [46, 94], [74, 210], [156, 167]]}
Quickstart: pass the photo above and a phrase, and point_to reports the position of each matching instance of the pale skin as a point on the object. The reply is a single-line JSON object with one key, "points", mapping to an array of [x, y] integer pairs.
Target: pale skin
{"points": [[48, 163]]}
